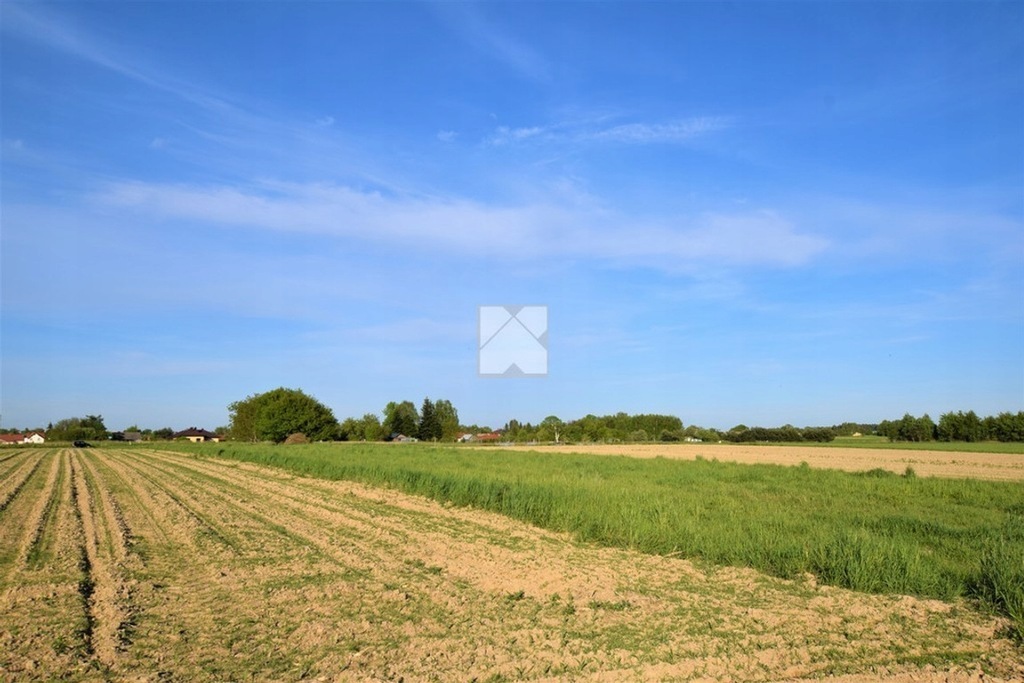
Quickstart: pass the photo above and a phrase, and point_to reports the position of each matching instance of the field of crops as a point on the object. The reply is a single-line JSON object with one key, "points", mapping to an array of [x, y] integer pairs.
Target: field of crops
{"points": [[141, 564]]}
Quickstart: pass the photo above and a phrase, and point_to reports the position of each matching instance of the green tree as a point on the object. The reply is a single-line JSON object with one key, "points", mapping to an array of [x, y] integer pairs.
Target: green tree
{"points": [[960, 426], [551, 428], [820, 434], [242, 422], [367, 428], [430, 425], [448, 416], [93, 424], [912, 428], [273, 415], [638, 436], [1005, 426], [400, 418], [888, 429], [88, 428]]}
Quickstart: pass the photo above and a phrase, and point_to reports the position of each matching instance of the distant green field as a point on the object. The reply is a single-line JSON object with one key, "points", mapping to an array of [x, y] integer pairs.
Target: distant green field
{"points": [[948, 446], [874, 531], [869, 442]]}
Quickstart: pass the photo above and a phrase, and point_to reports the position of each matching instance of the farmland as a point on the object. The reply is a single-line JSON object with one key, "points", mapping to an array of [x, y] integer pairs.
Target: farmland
{"points": [[195, 563], [997, 462]]}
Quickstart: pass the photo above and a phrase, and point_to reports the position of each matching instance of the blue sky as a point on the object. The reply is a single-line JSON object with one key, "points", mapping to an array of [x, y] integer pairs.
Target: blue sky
{"points": [[735, 212]]}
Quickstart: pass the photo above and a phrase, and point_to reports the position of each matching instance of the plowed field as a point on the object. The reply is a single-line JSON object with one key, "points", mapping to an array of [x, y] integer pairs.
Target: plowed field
{"points": [[148, 566]]}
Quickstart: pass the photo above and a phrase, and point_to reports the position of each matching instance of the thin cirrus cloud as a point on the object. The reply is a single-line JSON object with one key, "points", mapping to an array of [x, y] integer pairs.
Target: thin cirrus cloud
{"points": [[214, 118], [47, 29], [574, 228], [467, 20], [676, 132]]}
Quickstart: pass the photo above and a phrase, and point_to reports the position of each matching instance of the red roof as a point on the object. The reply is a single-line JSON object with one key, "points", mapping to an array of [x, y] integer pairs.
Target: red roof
{"points": [[12, 438], [494, 436]]}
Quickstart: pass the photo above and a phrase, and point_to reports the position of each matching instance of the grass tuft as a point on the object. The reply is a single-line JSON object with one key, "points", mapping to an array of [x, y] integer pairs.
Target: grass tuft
{"points": [[1000, 581]]}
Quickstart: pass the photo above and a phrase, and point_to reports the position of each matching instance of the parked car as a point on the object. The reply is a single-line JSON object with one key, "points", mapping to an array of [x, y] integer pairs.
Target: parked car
{"points": [[80, 444]]}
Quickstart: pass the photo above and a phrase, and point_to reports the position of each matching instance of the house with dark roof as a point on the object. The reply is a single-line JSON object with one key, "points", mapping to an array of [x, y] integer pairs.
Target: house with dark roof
{"points": [[195, 435]]}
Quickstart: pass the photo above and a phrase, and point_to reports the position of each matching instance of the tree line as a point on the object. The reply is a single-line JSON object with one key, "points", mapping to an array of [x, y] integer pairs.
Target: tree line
{"points": [[434, 421], [958, 426], [438, 420], [275, 415]]}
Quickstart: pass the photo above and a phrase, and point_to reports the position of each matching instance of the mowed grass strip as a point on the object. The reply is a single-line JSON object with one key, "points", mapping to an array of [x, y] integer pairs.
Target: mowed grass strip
{"points": [[874, 531], [1009, 447]]}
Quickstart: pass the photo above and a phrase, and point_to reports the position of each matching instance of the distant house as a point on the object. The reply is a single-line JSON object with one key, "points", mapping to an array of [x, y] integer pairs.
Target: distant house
{"points": [[195, 435], [14, 439], [493, 436], [134, 437]]}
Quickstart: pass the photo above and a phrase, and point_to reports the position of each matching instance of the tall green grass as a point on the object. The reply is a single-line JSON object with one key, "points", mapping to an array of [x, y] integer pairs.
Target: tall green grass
{"points": [[873, 531]]}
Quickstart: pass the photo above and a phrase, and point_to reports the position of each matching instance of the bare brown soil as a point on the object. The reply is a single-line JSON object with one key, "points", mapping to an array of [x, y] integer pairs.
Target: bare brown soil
{"points": [[991, 466], [144, 566]]}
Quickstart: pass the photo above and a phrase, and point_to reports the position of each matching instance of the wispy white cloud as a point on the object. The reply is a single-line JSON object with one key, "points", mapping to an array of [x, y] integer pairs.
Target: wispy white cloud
{"points": [[504, 135], [244, 133], [680, 131], [559, 227], [447, 135], [47, 28], [469, 22], [934, 228], [662, 133]]}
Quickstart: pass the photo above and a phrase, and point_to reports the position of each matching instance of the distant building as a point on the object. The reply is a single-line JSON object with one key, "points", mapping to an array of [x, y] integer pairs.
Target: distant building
{"points": [[195, 435], [15, 439], [493, 436], [134, 437]]}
